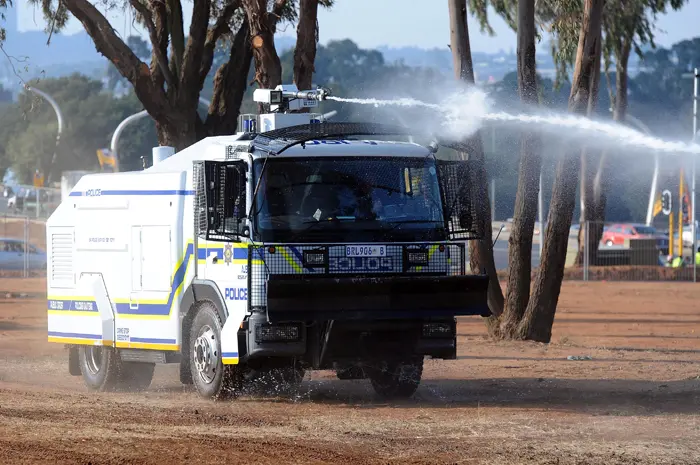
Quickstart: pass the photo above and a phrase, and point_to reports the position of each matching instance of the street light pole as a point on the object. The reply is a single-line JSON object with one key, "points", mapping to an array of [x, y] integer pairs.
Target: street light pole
{"points": [[114, 143], [693, 227], [59, 117]]}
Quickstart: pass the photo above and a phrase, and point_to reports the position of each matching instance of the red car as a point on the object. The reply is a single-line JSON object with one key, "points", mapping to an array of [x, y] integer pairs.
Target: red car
{"points": [[615, 234]]}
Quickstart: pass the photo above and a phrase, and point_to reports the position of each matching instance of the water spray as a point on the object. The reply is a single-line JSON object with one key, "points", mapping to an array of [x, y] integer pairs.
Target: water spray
{"points": [[463, 112]]}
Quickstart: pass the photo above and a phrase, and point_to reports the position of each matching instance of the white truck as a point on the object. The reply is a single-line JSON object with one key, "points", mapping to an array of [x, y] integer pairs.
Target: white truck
{"points": [[299, 247]]}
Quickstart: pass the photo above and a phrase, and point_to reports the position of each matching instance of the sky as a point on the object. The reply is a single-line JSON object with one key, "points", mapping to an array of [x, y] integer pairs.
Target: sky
{"points": [[375, 23]]}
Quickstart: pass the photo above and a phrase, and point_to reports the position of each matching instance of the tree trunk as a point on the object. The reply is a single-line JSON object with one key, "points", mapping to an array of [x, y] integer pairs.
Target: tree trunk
{"points": [[539, 315], [480, 251], [601, 183], [588, 163], [268, 70], [305, 51], [520, 241], [230, 82]]}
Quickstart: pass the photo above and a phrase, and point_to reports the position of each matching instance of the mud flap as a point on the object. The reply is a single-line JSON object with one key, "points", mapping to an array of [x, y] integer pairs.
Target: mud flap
{"points": [[73, 362], [84, 320], [229, 340], [302, 298]]}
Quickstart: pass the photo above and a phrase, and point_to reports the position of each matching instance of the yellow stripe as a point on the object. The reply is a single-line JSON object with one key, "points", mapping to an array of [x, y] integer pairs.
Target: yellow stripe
{"points": [[63, 297], [79, 341], [230, 360], [146, 345], [290, 260]]}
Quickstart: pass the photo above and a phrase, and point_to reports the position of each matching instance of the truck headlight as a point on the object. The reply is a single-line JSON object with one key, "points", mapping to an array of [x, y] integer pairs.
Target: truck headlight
{"points": [[314, 258], [417, 257], [289, 332], [438, 330]]}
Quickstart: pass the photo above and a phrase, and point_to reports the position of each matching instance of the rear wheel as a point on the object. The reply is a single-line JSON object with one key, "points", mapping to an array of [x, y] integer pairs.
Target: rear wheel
{"points": [[100, 367], [136, 376], [210, 376], [397, 379]]}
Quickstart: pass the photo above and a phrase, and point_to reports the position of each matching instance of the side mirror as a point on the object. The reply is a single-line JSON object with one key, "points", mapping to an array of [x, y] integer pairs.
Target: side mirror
{"points": [[465, 220]]}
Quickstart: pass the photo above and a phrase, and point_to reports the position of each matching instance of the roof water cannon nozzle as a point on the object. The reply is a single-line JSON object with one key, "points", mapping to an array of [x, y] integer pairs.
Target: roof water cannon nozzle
{"points": [[319, 94]]}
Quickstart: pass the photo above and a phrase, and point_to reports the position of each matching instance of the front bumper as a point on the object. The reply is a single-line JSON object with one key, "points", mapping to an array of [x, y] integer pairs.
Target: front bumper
{"points": [[305, 298]]}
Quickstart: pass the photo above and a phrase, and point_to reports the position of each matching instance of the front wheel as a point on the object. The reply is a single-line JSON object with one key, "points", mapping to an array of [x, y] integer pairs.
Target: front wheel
{"points": [[397, 379], [210, 376]]}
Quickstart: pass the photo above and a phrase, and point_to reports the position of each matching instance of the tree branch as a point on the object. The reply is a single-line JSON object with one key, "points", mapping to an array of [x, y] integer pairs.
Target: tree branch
{"points": [[177, 35], [115, 50], [230, 84], [160, 21], [191, 63], [276, 14], [161, 58], [213, 36]]}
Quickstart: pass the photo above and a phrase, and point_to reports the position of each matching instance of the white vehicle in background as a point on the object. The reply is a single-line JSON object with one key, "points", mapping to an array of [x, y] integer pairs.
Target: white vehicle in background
{"points": [[299, 247]]}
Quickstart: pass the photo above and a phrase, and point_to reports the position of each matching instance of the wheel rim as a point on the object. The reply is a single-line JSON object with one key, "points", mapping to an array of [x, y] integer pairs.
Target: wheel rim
{"points": [[206, 356], [93, 357]]}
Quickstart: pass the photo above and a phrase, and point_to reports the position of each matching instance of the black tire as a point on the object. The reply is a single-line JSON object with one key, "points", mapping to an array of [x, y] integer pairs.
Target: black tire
{"points": [[210, 376], [100, 367], [350, 372], [136, 376], [397, 379], [186, 370]]}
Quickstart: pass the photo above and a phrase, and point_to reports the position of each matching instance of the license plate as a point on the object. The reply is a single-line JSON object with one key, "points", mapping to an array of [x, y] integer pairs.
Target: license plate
{"points": [[365, 251]]}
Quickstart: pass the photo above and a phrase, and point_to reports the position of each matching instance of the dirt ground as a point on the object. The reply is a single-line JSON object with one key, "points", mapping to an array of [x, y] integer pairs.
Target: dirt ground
{"points": [[636, 401]]}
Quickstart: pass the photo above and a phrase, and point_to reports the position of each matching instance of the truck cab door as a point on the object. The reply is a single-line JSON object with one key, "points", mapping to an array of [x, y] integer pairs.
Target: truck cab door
{"points": [[222, 227]]}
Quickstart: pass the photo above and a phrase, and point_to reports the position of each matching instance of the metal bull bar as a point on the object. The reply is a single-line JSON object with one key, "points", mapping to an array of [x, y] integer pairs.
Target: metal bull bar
{"points": [[285, 285]]}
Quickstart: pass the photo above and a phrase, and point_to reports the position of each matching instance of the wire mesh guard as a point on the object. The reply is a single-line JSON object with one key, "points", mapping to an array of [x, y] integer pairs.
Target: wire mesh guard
{"points": [[219, 203], [313, 260], [459, 200]]}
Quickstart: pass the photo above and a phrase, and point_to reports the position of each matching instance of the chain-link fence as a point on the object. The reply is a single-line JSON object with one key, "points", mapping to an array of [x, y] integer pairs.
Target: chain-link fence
{"points": [[29, 201], [635, 252], [22, 246]]}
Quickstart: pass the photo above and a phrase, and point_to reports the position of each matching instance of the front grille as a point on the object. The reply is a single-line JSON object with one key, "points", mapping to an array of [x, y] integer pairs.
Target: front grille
{"points": [[398, 259]]}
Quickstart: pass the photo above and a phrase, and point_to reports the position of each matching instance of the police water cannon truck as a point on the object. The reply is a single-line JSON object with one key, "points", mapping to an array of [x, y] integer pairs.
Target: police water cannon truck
{"points": [[292, 245]]}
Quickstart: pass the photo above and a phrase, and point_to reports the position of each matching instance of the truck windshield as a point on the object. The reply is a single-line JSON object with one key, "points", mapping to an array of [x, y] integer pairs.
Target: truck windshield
{"points": [[324, 199]]}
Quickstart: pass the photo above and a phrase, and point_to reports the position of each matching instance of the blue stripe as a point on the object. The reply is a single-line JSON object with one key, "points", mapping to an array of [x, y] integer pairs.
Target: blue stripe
{"points": [[70, 305], [75, 335], [229, 354], [148, 340], [239, 253], [135, 192]]}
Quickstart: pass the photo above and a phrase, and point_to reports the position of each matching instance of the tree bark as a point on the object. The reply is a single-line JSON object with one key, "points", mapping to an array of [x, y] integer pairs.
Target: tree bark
{"points": [[268, 69], [539, 315], [520, 241], [307, 37], [480, 251], [230, 83]]}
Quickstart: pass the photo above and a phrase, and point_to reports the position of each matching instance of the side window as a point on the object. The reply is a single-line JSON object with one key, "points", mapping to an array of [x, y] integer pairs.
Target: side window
{"points": [[220, 199], [15, 247]]}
